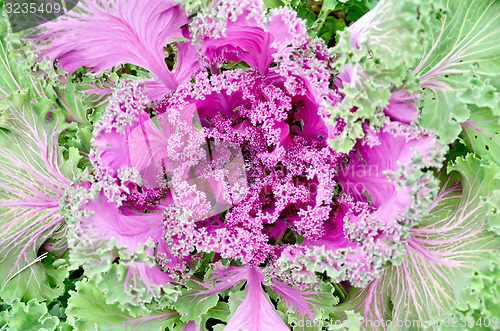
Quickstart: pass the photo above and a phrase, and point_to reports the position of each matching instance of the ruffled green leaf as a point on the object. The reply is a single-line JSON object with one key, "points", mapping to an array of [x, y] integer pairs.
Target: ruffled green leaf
{"points": [[197, 301], [447, 257], [304, 307], [119, 273], [357, 8], [448, 48], [461, 65], [379, 54], [31, 316], [88, 310], [4, 319], [12, 78], [481, 132], [14, 74], [33, 177], [493, 216], [70, 101], [219, 312]]}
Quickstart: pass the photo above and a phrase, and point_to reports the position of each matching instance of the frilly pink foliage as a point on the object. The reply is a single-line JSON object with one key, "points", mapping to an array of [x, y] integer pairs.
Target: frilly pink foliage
{"points": [[103, 34], [128, 230], [236, 162]]}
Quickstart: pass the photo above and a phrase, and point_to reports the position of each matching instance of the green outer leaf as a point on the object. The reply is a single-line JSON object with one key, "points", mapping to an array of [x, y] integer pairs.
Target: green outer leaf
{"points": [[493, 216], [467, 37], [461, 65], [326, 7], [449, 48], [320, 301], [357, 8], [481, 133], [17, 74], [47, 282], [33, 177], [9, 73], [352, 322], [4, 319], [448, 250], [195, 302], [31, 316], [391, 33], [439, 108], [12, 79], [273, 3], [70, 102], [330, 28], [64, 326], [88, 310], [219, 312], [12, 76]]}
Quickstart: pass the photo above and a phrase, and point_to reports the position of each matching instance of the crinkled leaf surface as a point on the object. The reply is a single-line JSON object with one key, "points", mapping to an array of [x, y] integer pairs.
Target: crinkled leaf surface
{"points": [[481, 132], [375, 54], [12, 77], [88, 310], [199, 297], [445, 254], [461, 65], [33, 177], [305, 306], [31, 316], [449, 48]]}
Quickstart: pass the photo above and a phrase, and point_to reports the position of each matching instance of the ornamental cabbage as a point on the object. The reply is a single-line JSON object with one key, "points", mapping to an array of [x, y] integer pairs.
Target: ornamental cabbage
{"points": [[252, 165]]}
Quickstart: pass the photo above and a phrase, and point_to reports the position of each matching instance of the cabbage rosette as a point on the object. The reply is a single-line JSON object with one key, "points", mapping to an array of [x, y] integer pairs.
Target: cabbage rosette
{"points": [[251, 165]]}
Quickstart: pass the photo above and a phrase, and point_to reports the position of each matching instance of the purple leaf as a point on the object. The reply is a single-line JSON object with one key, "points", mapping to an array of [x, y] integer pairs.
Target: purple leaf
{"points": [[255, 312], [104, 34]]}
